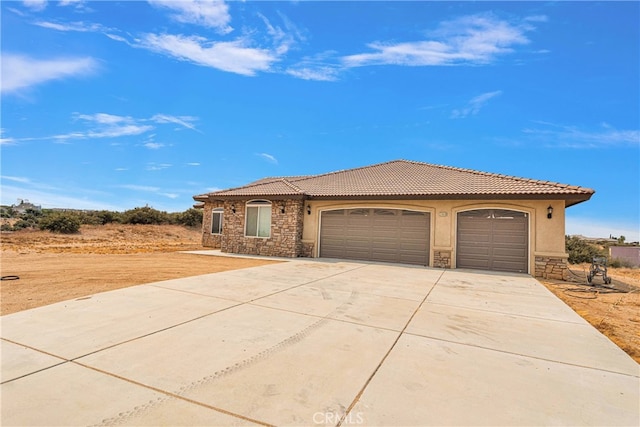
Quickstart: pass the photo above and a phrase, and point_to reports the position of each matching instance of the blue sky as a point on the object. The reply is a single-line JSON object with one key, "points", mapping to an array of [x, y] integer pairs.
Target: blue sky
{"points": [[113, 105]]}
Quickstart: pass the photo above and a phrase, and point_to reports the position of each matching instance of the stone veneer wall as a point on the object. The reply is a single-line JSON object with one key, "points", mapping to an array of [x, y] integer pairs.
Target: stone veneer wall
{"points": [[442, 259], [286, 230], [306, 250], [212, 240], [554, 268]]}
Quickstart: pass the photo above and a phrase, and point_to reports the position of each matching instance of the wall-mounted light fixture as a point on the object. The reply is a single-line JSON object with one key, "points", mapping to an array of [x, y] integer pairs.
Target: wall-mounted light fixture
{"points": [[233, 208], [308, 209], [550, 212], [282, 208]]}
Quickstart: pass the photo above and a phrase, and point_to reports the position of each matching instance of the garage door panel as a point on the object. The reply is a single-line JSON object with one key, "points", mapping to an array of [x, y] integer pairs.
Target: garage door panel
{"points": [[512, 241], [390, 235], [493, 239], [512, 253], [480, 264]]}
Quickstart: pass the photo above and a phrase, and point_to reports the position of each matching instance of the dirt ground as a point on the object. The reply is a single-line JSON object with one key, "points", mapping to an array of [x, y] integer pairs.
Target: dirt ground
{"points": [[54, 267], [613, 309]]}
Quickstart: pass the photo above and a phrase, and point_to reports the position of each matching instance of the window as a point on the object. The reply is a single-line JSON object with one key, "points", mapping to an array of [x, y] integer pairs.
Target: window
{"points": [[258, 219], [216, 221]]}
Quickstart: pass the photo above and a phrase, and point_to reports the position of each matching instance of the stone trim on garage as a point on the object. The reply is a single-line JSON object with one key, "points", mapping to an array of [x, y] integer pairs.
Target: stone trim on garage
{"points": [[441, 259], [550, 267]]}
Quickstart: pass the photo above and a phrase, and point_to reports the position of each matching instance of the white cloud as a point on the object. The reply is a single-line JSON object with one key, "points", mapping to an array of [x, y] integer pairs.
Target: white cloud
{"points": [[158, 166], [107, 126], [537, 18], [475, 104], [72, 26], [573, 137], [16, 179], [282, 39], [268, 157], [143, 188], [474, 39], [3, 140], [21, 72], [193, 164], [321, 73], [52, 198], [185, 121], [207, 13], [234, 56], [104, 118], [103, 125], [35, 5], [153, 145], [170, 195]]}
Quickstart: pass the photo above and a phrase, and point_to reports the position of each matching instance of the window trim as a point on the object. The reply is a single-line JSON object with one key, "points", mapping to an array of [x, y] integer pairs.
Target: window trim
{"points": [[260, 205], [217, 211]]}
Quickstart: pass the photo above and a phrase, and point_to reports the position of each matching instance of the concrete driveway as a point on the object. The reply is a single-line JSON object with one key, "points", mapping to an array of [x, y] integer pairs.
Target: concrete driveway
{"points": [[316, 343]]}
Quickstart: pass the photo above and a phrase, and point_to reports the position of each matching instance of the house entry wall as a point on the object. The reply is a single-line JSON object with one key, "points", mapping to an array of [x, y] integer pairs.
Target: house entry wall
{"points": [[376, 234], [493, 239]]}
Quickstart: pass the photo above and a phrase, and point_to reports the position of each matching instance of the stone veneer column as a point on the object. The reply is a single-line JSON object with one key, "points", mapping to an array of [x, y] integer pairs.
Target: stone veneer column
{"points": [[442, 259], [554, 268]]}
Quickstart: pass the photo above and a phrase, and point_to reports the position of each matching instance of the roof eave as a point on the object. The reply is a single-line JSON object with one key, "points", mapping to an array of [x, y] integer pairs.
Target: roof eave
{"points": [[570, 199], [222, 197]]}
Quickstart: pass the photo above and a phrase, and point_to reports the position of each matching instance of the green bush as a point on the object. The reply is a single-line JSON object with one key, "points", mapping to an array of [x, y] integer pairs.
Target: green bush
{"points": [[23, 223], [189, 218], [581, 251], [65, 223], [145, 215], [99, 217]]}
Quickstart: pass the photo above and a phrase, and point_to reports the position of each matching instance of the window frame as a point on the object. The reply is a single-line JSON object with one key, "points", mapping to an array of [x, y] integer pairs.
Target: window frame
{"points": [[214, 212], [260, 205]]}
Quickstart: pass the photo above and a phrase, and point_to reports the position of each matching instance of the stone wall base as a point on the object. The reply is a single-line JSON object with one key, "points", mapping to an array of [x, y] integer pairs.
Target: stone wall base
{"points": [[442, 259], [213, 241], [306, 250], [554, 268]]}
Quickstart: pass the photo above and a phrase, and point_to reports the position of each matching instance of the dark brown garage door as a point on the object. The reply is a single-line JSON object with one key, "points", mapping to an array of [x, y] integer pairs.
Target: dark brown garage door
{"points": [[388, 235], [493, 239]]}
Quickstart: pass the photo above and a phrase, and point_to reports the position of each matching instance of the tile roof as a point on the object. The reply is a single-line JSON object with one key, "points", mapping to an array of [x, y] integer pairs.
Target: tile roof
{"points": [[400, 178]]}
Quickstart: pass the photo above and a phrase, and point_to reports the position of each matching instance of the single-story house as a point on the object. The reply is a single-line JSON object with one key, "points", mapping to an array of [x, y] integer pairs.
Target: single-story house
{"points": [[402, 212]]}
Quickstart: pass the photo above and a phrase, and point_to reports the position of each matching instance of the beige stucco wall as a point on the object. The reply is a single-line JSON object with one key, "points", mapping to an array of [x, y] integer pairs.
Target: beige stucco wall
{"points": [[546, 237]]}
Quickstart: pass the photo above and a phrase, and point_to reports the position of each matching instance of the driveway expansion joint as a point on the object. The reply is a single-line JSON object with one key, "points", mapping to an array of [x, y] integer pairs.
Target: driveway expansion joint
{"points": [[386, 355]]}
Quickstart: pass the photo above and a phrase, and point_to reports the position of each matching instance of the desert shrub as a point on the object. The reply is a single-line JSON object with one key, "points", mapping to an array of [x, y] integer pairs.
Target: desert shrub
{"points": [[100, 217], [145, 215], [6, 227], [7, 212], [22, 224], [620, 263], [108, 217], [189, 218], [581, 251], [65, 223], [29, 219]]}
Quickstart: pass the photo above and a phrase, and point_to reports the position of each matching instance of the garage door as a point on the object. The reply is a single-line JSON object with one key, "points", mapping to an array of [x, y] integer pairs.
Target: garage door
{"points": [[388, 235], [493, 239]]}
